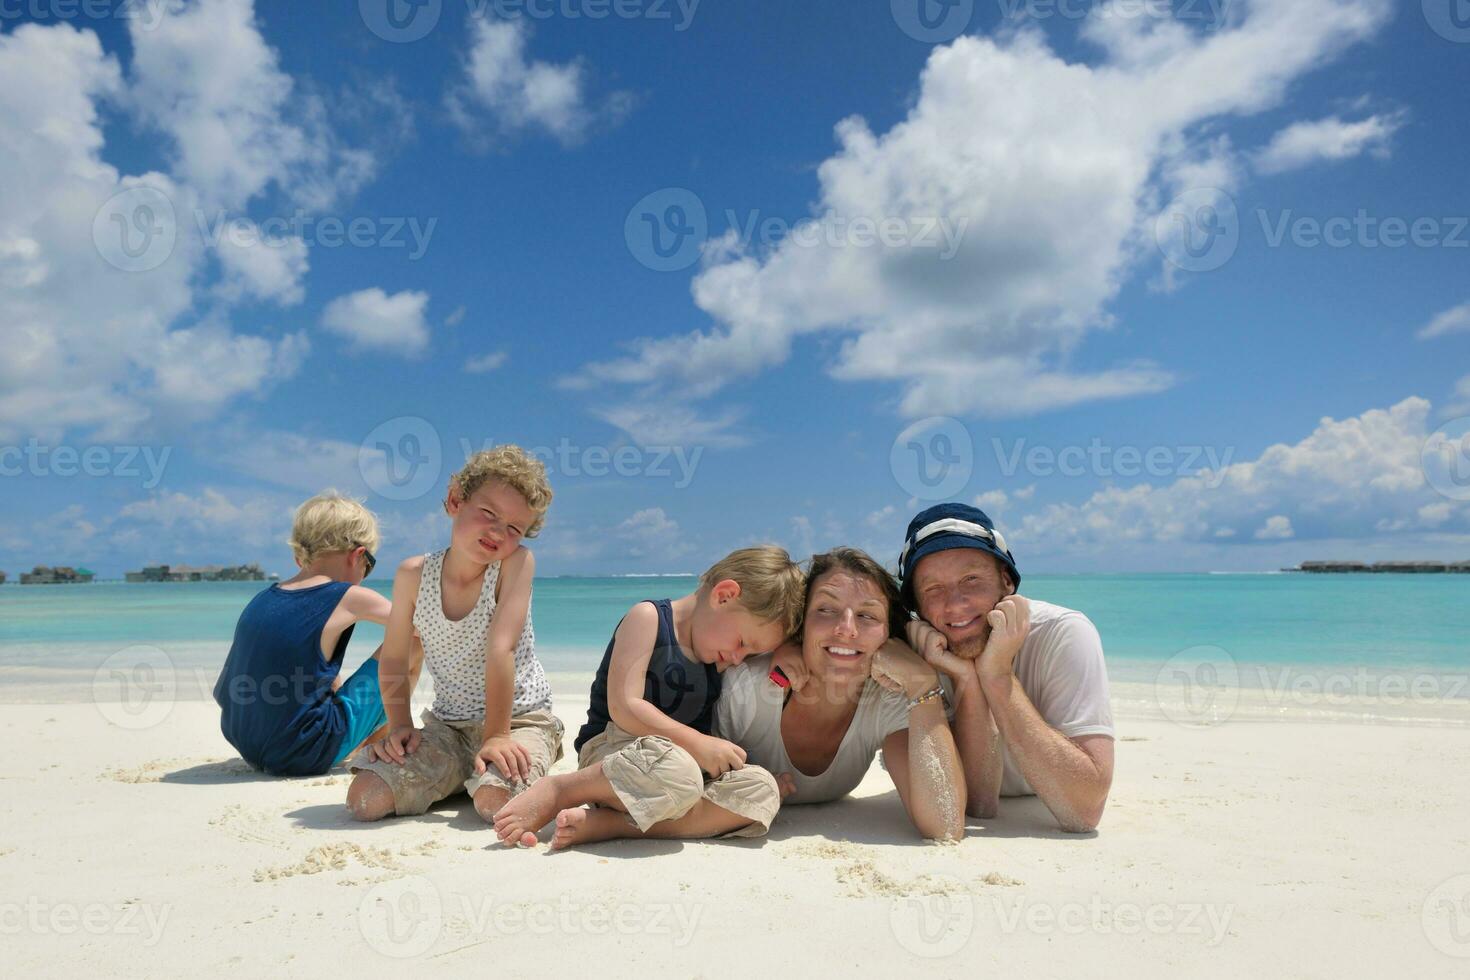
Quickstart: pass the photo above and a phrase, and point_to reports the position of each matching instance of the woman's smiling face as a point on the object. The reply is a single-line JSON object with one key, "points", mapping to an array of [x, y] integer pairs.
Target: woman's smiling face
{"points": [[846, 623]]}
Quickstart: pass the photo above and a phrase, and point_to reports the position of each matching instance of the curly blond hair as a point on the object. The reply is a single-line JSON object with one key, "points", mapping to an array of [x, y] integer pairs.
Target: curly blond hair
{"points": [[517, 469], [772, 586], [331, 522]]}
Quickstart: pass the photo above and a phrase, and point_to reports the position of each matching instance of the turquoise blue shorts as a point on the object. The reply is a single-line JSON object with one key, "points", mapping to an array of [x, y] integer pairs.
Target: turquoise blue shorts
{"points": [[363, 699]]}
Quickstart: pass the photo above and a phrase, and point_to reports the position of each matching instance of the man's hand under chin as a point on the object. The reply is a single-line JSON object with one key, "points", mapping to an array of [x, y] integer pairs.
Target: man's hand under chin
{"points": [[1009, 622]]}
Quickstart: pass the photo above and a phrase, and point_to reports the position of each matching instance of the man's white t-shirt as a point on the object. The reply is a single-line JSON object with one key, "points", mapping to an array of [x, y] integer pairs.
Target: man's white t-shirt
{"points": [[1060, 667]]}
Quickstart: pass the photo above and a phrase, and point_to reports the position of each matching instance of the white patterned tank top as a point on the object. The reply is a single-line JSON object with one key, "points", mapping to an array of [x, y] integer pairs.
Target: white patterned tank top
{"points": [[454, 652]]}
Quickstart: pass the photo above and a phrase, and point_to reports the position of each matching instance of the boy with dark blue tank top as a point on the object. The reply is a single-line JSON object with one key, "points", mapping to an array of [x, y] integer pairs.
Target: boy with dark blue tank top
{"points": [[648, 763], [283, 703]]}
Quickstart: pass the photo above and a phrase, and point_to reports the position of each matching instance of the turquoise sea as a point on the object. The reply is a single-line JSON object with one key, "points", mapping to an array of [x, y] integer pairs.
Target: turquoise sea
{"points": [[1383, 623]]}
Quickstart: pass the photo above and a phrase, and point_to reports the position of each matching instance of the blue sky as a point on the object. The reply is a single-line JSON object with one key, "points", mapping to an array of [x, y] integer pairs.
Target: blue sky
{"points": [[949, 264]]}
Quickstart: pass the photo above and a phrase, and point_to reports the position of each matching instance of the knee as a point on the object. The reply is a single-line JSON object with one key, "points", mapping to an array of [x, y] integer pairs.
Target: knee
{"points": [[489, 800], [755, 782], [369, 798], [682, 774]]}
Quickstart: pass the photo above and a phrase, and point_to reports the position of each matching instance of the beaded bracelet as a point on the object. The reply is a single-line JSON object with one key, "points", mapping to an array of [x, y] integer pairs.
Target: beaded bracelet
{"points": [[937, 692]]}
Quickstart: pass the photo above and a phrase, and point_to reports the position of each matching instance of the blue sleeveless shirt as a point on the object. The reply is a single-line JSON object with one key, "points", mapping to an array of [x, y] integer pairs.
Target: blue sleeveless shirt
{"points": [[676, 684], [277, 707]]}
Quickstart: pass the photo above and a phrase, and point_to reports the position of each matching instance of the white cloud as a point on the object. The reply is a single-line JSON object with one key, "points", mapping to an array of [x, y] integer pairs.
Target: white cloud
{"points": [[992, 502], [205, 77], [486, 364], [1054, 170], [1454, 320], [1276, 528], [203, 368], [659, 424], [291, 459], [1349, 479], [651, 533], [881, 518], [89, 345], [373, 320], [1461, 404], [259, 266], [521, 93], [1331, 139]]}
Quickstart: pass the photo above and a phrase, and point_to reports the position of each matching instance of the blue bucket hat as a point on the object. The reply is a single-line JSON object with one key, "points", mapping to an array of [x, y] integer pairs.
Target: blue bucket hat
{"points": [[946, 526]]}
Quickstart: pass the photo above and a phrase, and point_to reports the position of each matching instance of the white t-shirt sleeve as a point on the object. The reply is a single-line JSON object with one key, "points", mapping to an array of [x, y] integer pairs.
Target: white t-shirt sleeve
{"points": [[1071, 679], [736, 707], [891, 713]]}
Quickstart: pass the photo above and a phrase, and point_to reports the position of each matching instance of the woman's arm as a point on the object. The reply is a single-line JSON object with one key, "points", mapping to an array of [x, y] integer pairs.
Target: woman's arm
{"points": [[926, 771], [975, 731], [922, 759]]}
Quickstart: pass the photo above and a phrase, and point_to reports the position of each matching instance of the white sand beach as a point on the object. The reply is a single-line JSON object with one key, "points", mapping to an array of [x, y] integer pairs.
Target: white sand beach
{"points": [[1278, 844]]}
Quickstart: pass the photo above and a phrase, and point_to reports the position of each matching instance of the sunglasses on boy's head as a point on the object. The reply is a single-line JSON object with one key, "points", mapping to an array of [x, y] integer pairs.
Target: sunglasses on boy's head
{"points": [[371, 562]]}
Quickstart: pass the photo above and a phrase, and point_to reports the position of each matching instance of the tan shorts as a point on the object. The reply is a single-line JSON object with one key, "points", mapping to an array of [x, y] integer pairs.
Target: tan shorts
{"points": [[444, 762], [657, 781]]}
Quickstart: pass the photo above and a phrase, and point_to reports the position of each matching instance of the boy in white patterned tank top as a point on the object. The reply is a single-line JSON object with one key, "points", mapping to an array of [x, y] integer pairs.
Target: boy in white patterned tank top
{"points": [[491, 731]]}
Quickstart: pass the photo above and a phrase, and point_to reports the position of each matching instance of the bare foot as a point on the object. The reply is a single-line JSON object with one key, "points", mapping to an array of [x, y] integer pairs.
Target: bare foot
{"points": [[518, 821], [569, 826]]}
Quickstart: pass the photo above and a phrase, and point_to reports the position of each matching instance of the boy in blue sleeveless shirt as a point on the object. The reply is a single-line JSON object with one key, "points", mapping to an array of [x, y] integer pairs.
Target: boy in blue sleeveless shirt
{"points": [[283, 703], [648, 762]]}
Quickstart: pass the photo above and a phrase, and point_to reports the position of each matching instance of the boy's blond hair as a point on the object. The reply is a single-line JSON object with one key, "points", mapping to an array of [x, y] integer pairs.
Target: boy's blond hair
{"points": [[772, 586], [331, 522], [513, 466]]}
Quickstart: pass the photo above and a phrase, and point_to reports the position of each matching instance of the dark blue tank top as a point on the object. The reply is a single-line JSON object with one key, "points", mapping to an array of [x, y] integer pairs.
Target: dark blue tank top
{"points": [[277, 707], [678, 685]]}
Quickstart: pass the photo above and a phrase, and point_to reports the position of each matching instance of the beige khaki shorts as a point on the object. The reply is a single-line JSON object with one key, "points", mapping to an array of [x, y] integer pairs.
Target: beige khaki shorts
{"points": [[657, 781], [444, 762]]}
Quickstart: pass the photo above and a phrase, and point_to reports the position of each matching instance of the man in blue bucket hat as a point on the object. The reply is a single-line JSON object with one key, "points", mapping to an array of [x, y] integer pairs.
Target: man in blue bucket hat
{"points": [[1031, 709]]}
